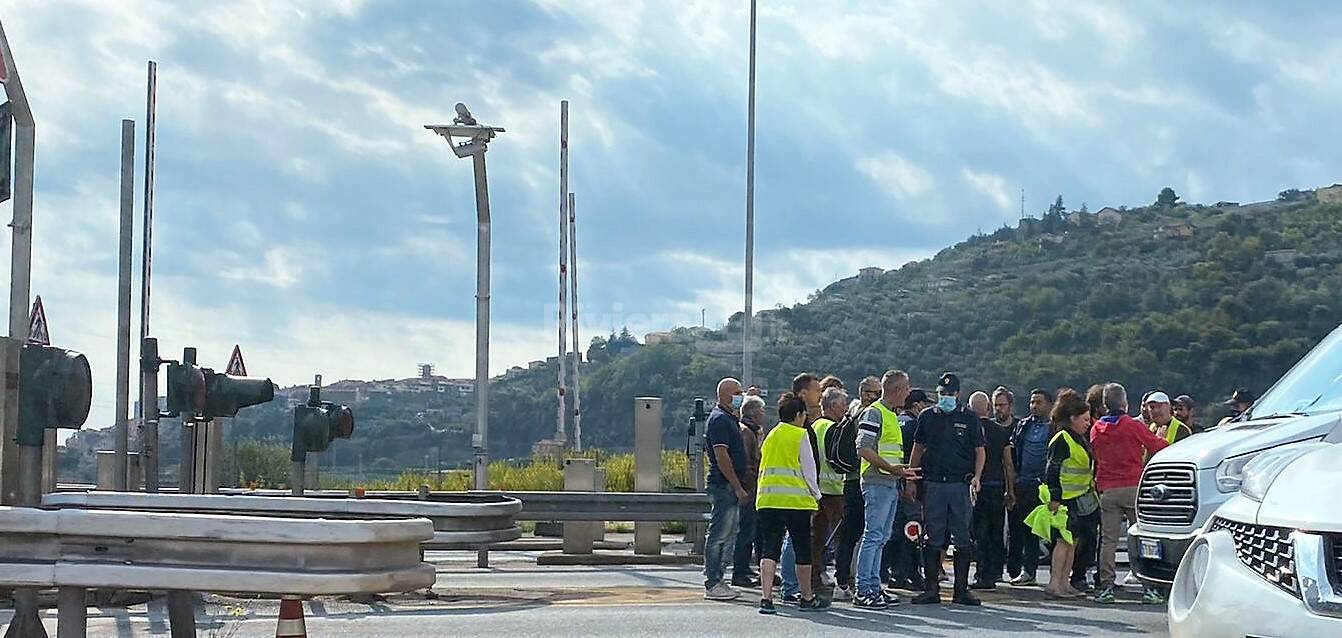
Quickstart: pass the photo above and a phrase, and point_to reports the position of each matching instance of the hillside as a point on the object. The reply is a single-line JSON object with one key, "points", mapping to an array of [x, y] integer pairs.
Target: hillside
{"points": [[1189, 298]]}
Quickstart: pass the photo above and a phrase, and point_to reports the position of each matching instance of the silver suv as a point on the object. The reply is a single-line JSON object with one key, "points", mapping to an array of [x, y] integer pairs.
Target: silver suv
{"points": [[1185, 483]]}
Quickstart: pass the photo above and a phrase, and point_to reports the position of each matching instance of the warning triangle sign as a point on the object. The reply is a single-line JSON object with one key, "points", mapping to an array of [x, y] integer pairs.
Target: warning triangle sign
{"points": [[235, 365], [37, 324]]}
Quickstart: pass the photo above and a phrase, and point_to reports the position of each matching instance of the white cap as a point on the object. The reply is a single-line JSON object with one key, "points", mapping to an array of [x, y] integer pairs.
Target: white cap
{"points": [[1158, 397]]}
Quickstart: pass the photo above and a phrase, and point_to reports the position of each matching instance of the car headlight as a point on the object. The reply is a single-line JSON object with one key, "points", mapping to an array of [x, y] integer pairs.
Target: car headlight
{"points": [[1257, 475], [1230, 473], [1201, 560]]}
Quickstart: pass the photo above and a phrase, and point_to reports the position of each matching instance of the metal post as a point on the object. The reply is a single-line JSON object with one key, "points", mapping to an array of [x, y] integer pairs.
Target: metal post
{"points": [[560, 430], [122, 446], [577, 345], [21, 255], [298, 477], [149, 414], [181, 614], [481, 442], [148, 377], [71, 613], [26, 622], [747, 374], [186, 474], [648, 468]]}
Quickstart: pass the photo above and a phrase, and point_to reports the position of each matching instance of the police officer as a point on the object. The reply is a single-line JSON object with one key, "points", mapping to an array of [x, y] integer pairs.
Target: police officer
{"points": [[948, 448]]}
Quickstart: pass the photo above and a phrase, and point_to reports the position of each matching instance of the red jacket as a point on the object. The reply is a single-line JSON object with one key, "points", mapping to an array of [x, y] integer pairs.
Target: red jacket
{"points": [[1122, 445]]}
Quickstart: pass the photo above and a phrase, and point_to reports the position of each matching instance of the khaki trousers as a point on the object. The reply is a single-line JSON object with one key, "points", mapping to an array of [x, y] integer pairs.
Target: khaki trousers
{"points": [[1115, 505]]}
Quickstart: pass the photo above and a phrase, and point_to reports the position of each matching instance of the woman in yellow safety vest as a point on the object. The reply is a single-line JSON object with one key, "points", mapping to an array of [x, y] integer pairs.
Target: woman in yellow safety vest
{"points": [[1069, 479], [788, 493]]}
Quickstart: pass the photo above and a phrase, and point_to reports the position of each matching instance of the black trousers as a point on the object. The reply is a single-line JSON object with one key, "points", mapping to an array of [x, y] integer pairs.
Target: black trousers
{"points": [[775, 524], [1087, 536], [850, 532], [989, 539], [903, 557], [1022, 545]]}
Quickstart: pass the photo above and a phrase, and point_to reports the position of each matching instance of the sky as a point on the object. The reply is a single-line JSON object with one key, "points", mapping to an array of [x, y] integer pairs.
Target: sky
{"points": [[302, 211]]}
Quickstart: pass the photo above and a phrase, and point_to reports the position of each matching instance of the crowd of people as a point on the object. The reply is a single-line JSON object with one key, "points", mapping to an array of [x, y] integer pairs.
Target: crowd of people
{"points": [[885, 485]]}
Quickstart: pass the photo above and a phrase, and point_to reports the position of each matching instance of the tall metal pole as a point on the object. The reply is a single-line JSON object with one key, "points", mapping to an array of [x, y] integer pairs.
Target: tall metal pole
{"points": [[747, 374], [20, 465], [577, 345], [481, 324], [120, 477], [148, 387], [560, 430]]}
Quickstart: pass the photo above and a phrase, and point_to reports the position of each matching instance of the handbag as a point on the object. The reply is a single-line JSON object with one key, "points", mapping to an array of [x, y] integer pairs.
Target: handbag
{"points": [[1087, 503]]}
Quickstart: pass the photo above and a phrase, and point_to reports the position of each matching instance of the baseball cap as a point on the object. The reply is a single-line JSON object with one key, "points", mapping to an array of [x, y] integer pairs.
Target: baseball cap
{"points": [[949, 383], [1185, 401], [1157, 397], [1241, 396], [916, 395]]}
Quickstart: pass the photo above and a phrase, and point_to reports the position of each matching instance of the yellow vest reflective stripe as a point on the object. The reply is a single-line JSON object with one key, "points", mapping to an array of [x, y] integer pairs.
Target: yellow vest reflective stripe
{"points": [[891, 444], [831, 482], [782, 485], [1171, 430], [1076, 474]]}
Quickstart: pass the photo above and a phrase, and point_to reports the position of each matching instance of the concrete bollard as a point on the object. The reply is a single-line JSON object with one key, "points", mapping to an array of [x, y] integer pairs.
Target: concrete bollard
{"points": [[579, 476], [648, 468]]}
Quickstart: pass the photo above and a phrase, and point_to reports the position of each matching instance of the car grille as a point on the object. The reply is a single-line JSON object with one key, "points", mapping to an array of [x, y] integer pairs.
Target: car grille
{"points": [[1168, 494], [1266, 550], [1336, 571]]}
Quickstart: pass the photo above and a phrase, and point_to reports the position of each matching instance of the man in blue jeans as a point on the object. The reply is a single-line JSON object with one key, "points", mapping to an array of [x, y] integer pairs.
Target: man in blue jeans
{"points": [[880, 444], [726, 493]]}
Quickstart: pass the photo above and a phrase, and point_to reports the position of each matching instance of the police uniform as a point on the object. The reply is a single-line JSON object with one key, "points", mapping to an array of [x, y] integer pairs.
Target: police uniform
{"points": [[950, 441]]}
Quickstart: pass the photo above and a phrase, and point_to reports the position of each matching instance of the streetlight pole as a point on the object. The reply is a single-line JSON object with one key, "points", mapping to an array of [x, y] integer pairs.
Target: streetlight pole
{"points": [[747, 375], [475, 139]]}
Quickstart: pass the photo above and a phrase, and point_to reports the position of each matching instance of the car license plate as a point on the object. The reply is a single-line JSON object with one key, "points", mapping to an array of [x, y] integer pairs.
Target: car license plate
{"points": [[1151, 549]]}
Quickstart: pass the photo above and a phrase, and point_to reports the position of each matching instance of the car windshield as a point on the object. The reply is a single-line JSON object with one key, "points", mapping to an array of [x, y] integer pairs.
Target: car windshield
{"points": [[1314, 385]]}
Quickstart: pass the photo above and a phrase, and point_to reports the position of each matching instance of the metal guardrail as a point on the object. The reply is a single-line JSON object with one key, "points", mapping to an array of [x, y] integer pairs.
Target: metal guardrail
{"points": [[197, 552], [459, 522], [690, 507]]}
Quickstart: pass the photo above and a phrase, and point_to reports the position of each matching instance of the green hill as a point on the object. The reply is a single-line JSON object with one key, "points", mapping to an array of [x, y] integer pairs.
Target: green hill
{"points": [[1187, 298]]}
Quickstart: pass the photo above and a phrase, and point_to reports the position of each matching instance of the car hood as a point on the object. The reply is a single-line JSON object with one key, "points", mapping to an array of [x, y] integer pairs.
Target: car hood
{"points": [[1208, 449], [1302, 496]]}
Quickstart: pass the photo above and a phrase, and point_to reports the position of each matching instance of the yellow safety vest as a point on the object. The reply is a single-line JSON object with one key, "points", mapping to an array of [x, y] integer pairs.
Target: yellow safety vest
{"points": [[1171, 430], [1076, 476], [781, 484], [831, 482], [891, 444]]}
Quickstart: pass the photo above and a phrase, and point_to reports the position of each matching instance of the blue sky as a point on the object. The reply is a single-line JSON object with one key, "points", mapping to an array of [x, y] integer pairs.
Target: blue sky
{"points": [[302, 210]]}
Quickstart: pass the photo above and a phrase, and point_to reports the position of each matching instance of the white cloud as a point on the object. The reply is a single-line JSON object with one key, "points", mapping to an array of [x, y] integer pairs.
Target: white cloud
{"points": [[282, 268], [994, 186], [897, 176]]}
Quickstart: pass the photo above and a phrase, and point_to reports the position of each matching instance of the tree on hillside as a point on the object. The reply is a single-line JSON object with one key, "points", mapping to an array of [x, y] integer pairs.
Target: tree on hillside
{"points": [[1291, 195], [1057, 209], [1167, 198], [1085, 210]]}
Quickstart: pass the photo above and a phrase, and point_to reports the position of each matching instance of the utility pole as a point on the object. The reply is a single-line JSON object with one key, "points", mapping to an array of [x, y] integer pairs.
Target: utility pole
{"points": [[1022, 203], [747, 374], [121, 479], [560, 430], [577, 345], [148, 358]]}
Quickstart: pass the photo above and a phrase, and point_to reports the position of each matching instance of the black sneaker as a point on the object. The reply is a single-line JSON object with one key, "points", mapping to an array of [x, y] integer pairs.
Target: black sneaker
{"points": [[749, 583], [966, 598], [983, 586], [767, 607], [870, 601], [1082, 585], [790, 599], [815, 603], [891, 598], [927, 598]]}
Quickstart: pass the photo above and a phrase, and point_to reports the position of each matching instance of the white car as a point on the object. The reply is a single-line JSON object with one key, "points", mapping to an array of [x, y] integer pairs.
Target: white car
{"points": [[1269, 561]]}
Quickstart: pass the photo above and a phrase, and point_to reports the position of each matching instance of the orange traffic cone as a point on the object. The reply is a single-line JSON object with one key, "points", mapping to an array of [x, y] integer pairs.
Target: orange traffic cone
{"points": [[291, 623]]}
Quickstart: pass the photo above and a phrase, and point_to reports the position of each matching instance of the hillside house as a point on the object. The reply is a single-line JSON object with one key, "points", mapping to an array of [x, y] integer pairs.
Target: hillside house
{"points": [[943, 283], [1285, 256], [869, 273], [1180, 230], [1329, 195], [1225, 204], [1109, 216], [658, 337]]}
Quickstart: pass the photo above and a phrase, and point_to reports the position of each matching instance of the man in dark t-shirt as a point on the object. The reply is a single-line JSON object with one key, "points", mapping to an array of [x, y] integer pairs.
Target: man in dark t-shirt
{"points": [[990, 507], [726, 461]]}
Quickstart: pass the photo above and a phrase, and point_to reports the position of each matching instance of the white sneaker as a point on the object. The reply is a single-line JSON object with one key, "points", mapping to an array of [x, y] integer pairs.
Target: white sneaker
{"points": [[721, 591], [843, 593], [826, 579]]}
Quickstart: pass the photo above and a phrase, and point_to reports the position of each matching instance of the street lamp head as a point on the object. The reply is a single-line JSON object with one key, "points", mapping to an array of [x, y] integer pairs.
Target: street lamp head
{"points": [[464, 115]]}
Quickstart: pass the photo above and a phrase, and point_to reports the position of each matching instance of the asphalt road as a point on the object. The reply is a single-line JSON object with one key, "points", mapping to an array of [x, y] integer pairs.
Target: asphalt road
{"points": [[516, 599]]}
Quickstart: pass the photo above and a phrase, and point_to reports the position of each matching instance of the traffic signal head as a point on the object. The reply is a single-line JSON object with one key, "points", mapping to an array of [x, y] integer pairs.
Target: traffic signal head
{"points": [[225, 394], [186, 390], [318, 423], [55, 391]]}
